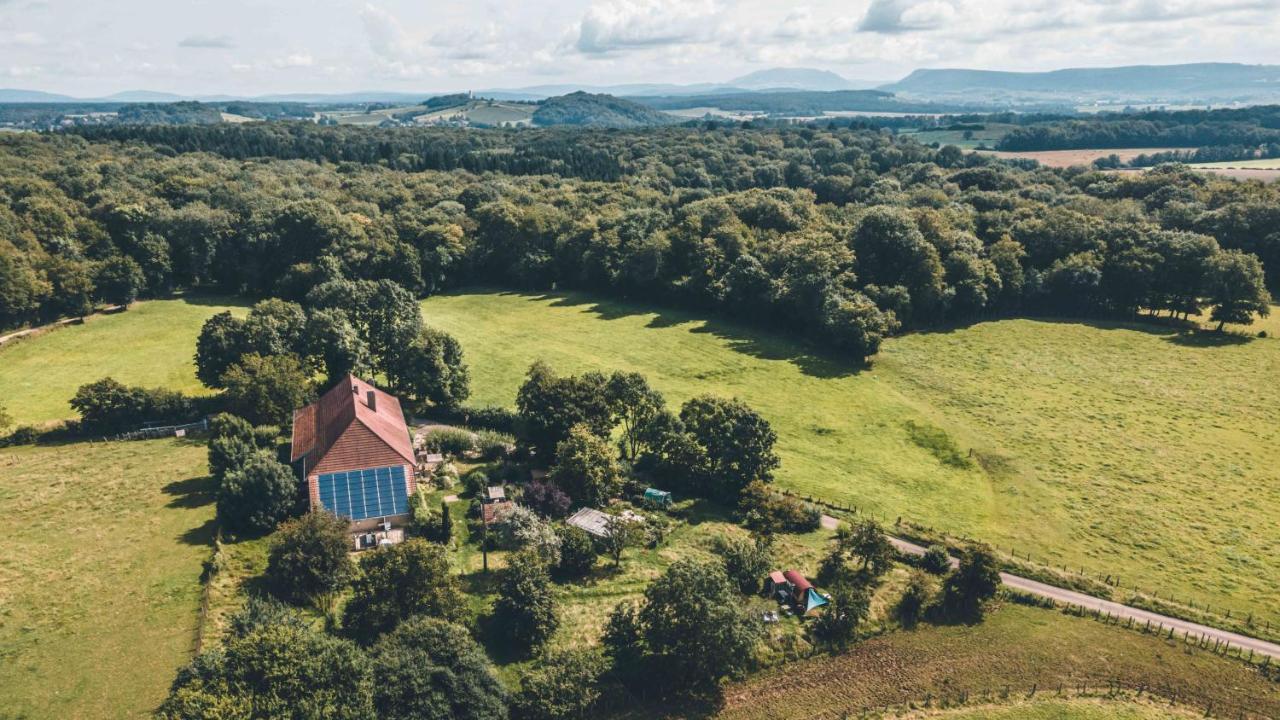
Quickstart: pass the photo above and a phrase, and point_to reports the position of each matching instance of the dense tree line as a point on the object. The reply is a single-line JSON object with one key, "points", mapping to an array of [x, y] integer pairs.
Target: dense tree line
{"points": [[1252, 127], [843, 235]]}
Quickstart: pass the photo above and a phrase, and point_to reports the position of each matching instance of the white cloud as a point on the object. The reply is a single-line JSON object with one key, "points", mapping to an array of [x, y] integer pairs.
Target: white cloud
{"points": [[615, 25]]}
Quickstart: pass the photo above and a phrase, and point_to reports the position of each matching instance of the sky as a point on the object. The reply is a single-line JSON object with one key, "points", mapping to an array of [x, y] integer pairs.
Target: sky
{"points": [[93, 48]]}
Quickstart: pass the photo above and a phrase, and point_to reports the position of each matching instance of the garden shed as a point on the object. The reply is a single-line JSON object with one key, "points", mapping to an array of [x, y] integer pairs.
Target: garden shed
{"points": [[657, 498]]}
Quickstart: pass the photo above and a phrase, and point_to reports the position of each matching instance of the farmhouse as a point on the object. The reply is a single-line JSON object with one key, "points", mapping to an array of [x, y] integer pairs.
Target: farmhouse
{"points": [[356, 455]]}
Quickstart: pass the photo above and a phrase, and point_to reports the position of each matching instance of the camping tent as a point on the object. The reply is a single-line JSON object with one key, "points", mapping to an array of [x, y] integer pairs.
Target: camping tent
{"points": [[813, 601]]}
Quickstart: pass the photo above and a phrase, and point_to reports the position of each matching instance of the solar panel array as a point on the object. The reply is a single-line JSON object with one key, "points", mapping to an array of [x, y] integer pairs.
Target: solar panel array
{"points": [[362, 494]]}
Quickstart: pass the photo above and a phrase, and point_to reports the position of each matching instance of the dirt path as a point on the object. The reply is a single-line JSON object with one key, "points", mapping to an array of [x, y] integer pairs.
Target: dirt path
{"points": [[60, 323], [1124, 612]]}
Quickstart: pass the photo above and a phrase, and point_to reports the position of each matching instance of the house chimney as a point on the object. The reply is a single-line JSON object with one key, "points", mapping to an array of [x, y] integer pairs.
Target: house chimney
{"points": [[372, 401]]}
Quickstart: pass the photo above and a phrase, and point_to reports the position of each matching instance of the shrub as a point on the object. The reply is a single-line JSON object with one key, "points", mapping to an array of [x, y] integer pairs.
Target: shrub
{"points": [[422, 514], [288, 665], [429, 668], [476, 482], [746, 561], [917, 596], [765, 511], [577, 552], [450, 441], [936, 560], [107, 406], [546, 499], [971, 584], [261, 612], [523, 529], [494, 445], [225, 425], [257, 495], [563, 686], [309, 558], [22, 435], [228, 454]]}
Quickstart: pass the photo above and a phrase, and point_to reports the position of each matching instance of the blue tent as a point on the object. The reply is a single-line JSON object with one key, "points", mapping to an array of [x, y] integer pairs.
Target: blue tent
{"points": [[813, 601], [657, 498]]}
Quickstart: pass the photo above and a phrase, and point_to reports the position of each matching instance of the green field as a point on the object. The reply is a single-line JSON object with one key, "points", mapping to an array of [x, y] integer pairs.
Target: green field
{"points": [[1017, 648], [989, 135], [152, 344], [1125, 449], [100, 567]]}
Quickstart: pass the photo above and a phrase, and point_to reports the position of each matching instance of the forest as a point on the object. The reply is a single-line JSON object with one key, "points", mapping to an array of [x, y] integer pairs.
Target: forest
{"points": [[1254, 126], [844, 235]]}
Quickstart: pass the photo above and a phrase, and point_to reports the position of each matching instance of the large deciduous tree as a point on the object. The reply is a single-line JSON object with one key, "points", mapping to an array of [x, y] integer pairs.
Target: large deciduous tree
{"points": [[689, 630], [1237, 288], [310, 558], [430, 669], [398, 582], [586, 468], [736, 444], [266, 389]]}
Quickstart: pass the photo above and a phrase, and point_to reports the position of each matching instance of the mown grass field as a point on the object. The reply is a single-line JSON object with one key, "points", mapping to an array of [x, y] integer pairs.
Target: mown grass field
{"points": [[100, 567], [152, 344], [1016, 647], [1130, 450]]}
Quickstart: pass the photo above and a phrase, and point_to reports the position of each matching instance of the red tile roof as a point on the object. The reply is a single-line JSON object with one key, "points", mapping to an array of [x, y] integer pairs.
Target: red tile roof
{"points": [[495, 511], [797, 580], [340, 431]]}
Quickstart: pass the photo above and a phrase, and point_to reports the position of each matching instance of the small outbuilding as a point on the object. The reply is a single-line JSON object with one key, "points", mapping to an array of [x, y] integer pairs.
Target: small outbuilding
{"points": [[657, 498], [791, 587], [495, 493], [497, 511]]}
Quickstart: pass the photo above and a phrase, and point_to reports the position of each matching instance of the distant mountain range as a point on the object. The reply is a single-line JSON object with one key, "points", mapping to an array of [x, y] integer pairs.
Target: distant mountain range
{"points": [[1139, 84], [1197, 82]]}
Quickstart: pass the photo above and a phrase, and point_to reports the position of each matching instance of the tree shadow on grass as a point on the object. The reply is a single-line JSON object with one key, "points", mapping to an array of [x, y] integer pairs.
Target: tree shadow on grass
{"points": [[1205, 339], [762, 344], [201, 535], [190, 493]]}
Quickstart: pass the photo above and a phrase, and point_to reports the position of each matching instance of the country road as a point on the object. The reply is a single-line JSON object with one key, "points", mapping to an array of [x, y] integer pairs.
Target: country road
{"points": [[1124, 612]]}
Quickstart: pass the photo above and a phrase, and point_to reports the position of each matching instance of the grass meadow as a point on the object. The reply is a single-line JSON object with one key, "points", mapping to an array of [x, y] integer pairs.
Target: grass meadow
{"points": [[1126, 449], [152, 344], [100, 567]]}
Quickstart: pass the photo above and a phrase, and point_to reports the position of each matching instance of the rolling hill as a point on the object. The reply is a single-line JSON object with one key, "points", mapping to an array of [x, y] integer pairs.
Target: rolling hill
{"points": [[588, 110]]}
